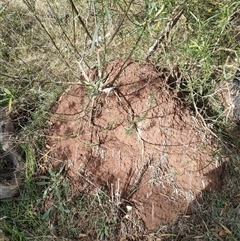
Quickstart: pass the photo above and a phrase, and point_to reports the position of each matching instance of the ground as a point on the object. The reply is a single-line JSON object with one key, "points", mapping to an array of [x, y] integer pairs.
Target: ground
{"points": [[137, 140]]}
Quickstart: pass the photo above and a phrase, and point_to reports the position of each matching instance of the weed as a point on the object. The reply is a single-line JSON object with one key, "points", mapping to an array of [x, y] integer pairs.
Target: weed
{"points": [[130, 130], [55, 189], [6, 98], [102, 227]]}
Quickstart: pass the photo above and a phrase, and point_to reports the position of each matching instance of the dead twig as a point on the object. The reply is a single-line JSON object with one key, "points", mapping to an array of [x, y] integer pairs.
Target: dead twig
{"points": [[80, 18], [120, 23], [164, 33]]}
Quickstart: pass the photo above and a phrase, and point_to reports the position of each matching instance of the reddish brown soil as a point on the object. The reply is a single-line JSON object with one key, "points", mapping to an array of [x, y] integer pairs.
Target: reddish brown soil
{"points": [[138, 141]]}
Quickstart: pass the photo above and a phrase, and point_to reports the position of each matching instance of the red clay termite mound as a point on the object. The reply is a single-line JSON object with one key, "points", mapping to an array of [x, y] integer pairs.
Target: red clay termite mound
{"points": [[136, 139]]}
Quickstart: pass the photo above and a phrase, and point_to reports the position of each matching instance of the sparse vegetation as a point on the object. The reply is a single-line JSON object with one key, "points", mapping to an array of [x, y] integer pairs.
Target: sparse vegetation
{"points": [[45, 46]]}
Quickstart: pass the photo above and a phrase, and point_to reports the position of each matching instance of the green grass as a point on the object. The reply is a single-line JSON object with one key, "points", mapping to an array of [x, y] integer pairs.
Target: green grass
{"points": [[45, 47]]}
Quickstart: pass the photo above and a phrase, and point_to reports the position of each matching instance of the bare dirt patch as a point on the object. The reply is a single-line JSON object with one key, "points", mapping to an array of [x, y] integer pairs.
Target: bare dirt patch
{"points": [[137, 140]]}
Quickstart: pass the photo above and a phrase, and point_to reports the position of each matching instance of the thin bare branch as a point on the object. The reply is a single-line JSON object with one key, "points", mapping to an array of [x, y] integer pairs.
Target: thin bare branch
{"points": [[80, 18], [120, 24], [164, 33]]}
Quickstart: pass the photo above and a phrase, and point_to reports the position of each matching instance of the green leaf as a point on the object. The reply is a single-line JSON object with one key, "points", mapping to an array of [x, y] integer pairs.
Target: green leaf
{"points": [[42, 183], [45, 193], [51, 172], [106, 10], [63, 208], [95, 36], [10, 104], [61, 169], [58, 194], [46, 214], [45, 177], [7, 91]]}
